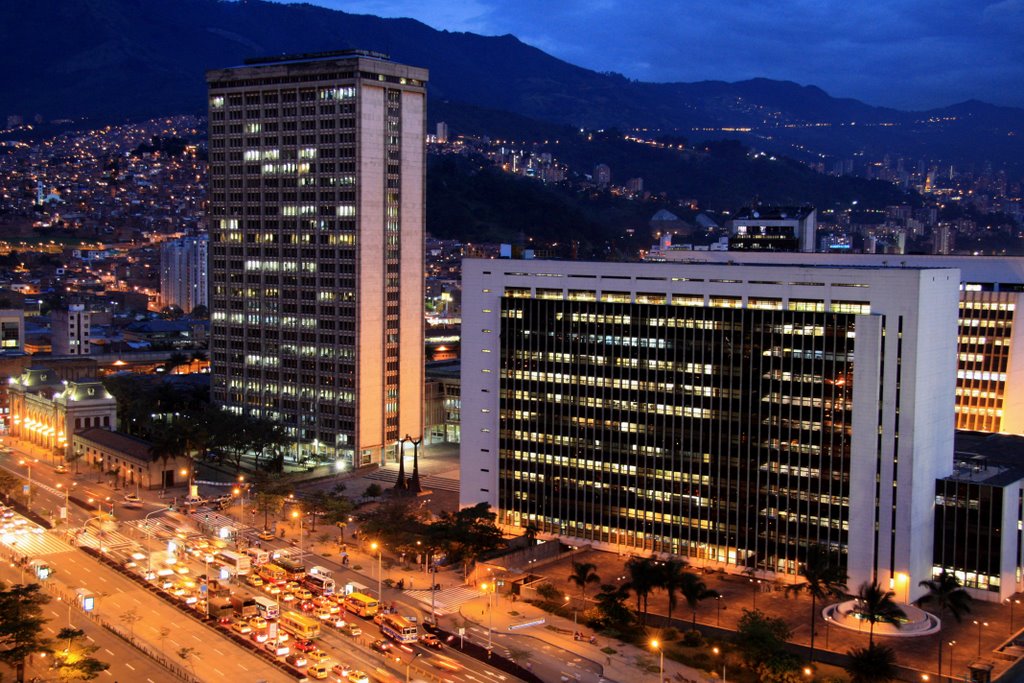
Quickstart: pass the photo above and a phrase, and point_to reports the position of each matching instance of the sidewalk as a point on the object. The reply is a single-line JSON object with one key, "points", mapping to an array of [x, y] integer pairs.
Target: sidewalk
{"points": [[623, 666]]}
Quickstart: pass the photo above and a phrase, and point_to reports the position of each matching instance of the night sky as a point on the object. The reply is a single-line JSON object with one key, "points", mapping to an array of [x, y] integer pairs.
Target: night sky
{"points": [[908, 54]]}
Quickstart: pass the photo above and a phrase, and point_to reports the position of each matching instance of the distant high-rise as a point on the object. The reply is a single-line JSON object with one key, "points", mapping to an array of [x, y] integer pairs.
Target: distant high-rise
{"points": [[602, 175], [317, 167], [770, 228], [442, 131], [69, 331], [183, 273]]}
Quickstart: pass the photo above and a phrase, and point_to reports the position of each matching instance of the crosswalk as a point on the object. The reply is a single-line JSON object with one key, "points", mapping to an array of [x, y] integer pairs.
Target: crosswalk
{"points": [[112, 540], [446, 601], [34, 544], [427, 481]]}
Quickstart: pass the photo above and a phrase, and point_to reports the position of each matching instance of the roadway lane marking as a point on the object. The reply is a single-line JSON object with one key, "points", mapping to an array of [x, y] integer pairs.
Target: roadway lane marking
{"points": [[197, 637], [107, 671], [176, 643], [218, 672], [137, 601], [155, 612], [54, 613], [218, 652], [243, 666], [108, 652], [91, 639], [129, 666], [150, 680]]}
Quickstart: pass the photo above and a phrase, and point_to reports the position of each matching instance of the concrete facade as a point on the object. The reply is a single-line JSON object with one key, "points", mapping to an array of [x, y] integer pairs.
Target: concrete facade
{"points": [[898, 422]]}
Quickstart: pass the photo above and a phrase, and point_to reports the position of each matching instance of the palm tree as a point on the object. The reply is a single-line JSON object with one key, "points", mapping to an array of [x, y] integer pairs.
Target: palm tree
{"points": [[672, 577], [946, 594], [582, 574], [871, 664], [877, 606], [694, 590], [823, 578], [644, 577]]}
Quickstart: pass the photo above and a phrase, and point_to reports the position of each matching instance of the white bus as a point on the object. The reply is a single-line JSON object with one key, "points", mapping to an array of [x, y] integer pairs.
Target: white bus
{"points": [[267, 608], [399, 629], [237, 563], [319, 584]]}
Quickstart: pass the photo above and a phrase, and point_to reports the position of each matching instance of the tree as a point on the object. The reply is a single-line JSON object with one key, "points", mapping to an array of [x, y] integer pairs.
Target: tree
{"points": [[8, 483], [21, 629], [530, 532], [130, 618], [396, 523], [694, 590], [185, 653], [75, 662], [877, 606], [611, 604], [269, 503], [582, 574], [672, 573], [871, 664], [644, 576], [760, 638], [824, 577], [466, 535], [200, 312], [373, 491], [175, 360], [948, 597]]}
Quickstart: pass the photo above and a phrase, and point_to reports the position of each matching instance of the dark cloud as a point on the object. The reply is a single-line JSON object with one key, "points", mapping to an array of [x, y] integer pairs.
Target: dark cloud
{"points": [[910, 54]]}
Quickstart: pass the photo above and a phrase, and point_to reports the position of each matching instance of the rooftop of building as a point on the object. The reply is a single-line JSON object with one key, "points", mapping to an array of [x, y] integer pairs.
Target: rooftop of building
{"points": [[122, 443], [319, 62], [773, 213], [317, 56], [986, 458], [1001, 270]]}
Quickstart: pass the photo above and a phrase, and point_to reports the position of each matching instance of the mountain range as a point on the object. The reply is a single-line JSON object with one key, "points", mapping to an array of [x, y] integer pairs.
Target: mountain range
{"points": [[113, 60]]}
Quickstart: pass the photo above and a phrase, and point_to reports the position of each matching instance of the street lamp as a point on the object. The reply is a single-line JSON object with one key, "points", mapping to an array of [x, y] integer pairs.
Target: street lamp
{"points": [[380, 583], [28, 466], [67, 498], [296, 514], [828, 622], [979, 624], [952, 644], [409, 665], [490, 618], [661, 665], [575, 611], [755, 585], [719, 652], [718, 602], [149, 537]]}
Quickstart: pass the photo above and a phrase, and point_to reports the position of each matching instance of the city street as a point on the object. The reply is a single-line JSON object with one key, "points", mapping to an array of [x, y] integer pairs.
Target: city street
{"points": [[117, 595]]}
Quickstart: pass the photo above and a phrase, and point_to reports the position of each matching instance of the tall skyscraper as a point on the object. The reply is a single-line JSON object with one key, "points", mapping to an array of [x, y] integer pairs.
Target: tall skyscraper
{"points": [[183, 272], [317, 168]]}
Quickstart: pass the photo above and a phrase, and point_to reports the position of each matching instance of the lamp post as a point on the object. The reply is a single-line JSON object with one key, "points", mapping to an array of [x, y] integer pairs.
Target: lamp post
{"points": [[661, 663], [719, 652], [755, 585], [380, 582], [28, 496], [979, 624], [575, 612], [409, 665], [952, 644], [67, 498], [149, 536], [828, 622], [297, 514], [490, 622], [718, 603]]}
